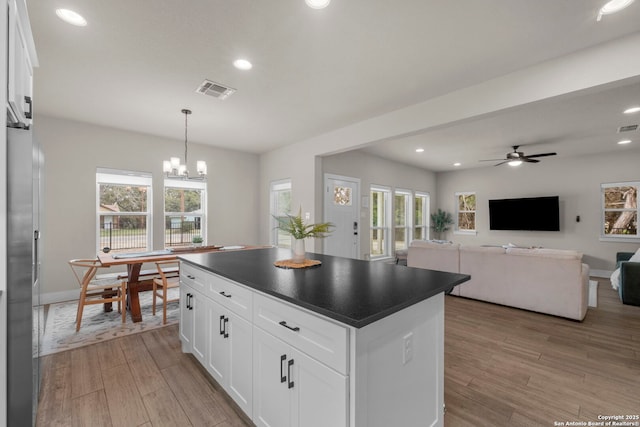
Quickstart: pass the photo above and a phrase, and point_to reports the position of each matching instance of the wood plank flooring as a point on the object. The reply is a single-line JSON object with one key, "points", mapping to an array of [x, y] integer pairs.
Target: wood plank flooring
{"points": [[503, 367]]}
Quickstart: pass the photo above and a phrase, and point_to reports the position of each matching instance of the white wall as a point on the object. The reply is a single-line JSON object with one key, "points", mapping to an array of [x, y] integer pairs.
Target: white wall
{"points": [[375, 170], [605, 63], [577, 182], [74, 150]]}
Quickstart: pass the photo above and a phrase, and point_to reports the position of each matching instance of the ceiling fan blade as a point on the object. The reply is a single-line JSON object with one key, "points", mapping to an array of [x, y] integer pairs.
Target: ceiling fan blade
{"points": [[542, 155], [502, 163], [530, 160]]}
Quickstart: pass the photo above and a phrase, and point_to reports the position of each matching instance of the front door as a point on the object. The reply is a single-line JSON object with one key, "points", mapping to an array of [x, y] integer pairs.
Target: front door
{"points": [[341, 208]]}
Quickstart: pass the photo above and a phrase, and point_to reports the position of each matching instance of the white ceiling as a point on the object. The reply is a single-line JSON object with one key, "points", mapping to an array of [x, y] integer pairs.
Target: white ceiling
{"points": [[138, 63]]}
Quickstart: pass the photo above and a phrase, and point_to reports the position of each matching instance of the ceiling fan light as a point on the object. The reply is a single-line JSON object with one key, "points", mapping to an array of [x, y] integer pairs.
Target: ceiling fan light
{"points": [[613, 6], [515, 163]]}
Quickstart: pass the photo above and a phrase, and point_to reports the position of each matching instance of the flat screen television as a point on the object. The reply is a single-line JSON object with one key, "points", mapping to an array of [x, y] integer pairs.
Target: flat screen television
{"points": [[532, 213]]}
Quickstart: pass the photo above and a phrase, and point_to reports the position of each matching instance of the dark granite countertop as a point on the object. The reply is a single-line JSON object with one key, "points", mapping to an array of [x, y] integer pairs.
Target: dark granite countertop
{"points": [[353, 292]]}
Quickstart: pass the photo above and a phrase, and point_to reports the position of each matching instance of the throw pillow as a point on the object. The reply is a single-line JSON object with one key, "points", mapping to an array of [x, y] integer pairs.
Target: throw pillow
{"points": [[615, 276]]}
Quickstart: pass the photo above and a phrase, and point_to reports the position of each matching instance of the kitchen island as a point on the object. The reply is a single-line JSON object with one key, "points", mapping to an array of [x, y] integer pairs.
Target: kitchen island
{"points": [[346, 343]]}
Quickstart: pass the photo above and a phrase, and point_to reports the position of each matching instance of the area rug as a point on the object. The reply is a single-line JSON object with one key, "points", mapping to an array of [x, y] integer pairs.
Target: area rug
{"points": [[97, 326]]}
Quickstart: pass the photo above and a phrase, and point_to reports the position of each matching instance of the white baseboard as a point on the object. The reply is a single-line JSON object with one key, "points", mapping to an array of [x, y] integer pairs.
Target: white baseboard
{"points": [[53, 297], [603, 274]]}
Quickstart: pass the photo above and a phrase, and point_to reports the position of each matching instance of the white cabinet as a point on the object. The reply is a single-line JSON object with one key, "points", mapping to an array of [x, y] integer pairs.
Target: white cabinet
{"points": [[193, 322], [292, 389], [230, 354], [20, 65]]}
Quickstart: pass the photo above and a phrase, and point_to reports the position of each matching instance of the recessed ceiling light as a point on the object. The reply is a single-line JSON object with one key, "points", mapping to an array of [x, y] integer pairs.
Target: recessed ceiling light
{"points": [[624, 141], [321, 4], [457, 164], [613, 6], [71, 17], [242, 64], [419, 150], [632, 110]]}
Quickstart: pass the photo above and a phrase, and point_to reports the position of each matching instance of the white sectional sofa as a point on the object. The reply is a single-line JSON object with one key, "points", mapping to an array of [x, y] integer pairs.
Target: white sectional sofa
{"points": [[550, 281]]}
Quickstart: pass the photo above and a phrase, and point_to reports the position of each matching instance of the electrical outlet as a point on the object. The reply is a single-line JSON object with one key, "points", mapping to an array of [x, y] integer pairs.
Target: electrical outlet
{"points": [[407, 348]]}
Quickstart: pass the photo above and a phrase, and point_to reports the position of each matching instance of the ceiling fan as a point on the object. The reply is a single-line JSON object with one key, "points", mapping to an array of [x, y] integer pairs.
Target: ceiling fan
{"points": [[516, 157]]}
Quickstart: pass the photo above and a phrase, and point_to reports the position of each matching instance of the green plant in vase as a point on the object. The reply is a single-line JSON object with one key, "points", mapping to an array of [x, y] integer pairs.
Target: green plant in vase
{"points": [[196, 240], [440, 222], [296, 228]]}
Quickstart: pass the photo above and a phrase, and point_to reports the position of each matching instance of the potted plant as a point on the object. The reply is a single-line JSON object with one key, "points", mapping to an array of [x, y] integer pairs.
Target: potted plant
{"points": [[197, 240], [440, 222], [298, 230]]}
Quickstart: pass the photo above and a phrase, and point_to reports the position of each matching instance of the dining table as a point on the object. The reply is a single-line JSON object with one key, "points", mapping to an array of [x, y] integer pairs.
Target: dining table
{"points": [[137, 282]]}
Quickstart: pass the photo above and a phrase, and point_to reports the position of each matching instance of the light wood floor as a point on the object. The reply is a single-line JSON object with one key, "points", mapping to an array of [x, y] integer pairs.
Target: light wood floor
{"points": [[503, 367]]}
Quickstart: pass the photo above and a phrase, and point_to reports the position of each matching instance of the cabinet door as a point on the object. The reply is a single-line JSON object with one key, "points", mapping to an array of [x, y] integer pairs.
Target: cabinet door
{"points": [[240, 374], [319, 394], [199, 306], [20, 70], [218, 359], [186, 319], [271, 395]]}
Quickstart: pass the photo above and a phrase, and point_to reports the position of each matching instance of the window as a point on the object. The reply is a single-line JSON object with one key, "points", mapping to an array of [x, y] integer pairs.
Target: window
{"points": [[280, 207], [123, 210], [402, 219], [421, 217], [620, 210], [380, 231], [466, 212], [184, 212]]}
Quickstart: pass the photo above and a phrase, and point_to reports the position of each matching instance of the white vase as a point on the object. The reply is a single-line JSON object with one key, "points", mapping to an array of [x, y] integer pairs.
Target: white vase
{"points": [[298, 250]]}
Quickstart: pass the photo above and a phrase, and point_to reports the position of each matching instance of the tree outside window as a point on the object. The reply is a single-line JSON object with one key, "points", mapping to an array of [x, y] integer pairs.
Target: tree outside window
{"points": [[421, 217], [620, 210], [379, 227], [184, 212], [466, 212], [280, 208], [401, 219], [123, 215]]}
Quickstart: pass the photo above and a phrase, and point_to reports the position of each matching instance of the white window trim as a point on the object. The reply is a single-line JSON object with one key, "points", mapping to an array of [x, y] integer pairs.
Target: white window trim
{"points": [[278, 185], [457, 230], [388, 222], [125, 177], [189, 185], [426, 214], [408, 216], [620, 237]]}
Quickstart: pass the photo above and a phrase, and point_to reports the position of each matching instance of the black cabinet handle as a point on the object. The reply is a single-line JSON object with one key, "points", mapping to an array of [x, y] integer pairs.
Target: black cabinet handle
{"points": [[294, 329], [289, 365], [282, 377], [221, 324], [191, 277], [224, 294], [190, 301], [28, 114], [226, 332]]}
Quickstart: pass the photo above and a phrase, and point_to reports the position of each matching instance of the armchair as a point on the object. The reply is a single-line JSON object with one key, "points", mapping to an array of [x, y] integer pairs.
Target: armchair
{"points": [[629, 288]]}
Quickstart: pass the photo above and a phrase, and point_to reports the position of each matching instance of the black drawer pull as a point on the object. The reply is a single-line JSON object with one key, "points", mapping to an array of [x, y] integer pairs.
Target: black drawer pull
{"points": [[191, 277], [295, 329], [289, 365], [224, 294], [282, 377], [226, 333]]}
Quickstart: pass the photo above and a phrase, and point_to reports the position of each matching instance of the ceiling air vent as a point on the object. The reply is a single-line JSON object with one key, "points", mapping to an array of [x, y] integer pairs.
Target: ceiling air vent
{"points": [[629, 128], [214, 89]]}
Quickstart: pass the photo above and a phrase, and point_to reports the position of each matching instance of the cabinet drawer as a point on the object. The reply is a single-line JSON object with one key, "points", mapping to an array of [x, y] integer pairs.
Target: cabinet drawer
{"points": [[319, 338], [193, 276], [231, 295]]}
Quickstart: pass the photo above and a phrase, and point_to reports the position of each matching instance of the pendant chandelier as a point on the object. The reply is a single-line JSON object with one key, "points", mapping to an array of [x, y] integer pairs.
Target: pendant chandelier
{"points": [[176, 170]]}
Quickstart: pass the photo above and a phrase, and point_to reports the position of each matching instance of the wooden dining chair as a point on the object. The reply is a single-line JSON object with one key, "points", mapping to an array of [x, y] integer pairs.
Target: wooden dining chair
{"points": [[169, 279], [97, 288]]}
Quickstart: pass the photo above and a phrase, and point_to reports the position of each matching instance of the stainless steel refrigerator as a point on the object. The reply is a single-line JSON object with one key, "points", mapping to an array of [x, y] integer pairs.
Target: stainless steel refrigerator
{"points": [[24, 329]]}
